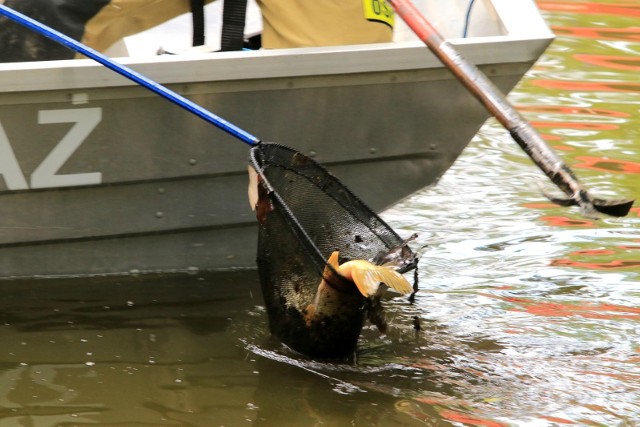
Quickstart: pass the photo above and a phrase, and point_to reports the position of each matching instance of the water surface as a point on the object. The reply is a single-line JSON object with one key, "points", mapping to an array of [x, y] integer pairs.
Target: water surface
{"points": [[529, 314]]}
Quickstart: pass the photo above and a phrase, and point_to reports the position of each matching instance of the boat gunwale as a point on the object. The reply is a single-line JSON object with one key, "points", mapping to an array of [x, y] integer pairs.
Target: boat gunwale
{"points": [[530, 33], [288, 63]]}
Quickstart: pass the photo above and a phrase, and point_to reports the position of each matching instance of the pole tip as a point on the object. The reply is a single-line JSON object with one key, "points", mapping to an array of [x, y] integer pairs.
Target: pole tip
{"points": [[617, 208]]}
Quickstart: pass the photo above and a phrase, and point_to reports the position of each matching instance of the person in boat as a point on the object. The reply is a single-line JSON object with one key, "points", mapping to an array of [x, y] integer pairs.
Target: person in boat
{"points": [[97, 23], [101, 23], [302, 23]]}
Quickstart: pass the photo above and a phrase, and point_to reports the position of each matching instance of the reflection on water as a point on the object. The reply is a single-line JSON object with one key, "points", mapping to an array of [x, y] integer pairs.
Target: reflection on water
{"points": [[151, 351], [528, 313], [607, 165]]}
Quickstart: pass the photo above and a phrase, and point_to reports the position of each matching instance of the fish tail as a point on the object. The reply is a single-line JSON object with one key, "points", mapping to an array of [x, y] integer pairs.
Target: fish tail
{"points": [[368, 276]]}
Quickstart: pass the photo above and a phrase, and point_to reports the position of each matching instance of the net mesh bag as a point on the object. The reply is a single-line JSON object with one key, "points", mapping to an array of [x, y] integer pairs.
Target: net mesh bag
{"points": [[304, 215]]}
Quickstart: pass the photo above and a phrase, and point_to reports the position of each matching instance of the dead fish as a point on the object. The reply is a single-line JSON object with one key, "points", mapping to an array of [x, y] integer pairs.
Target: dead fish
{"points": [[323, 318], [365, 276]]}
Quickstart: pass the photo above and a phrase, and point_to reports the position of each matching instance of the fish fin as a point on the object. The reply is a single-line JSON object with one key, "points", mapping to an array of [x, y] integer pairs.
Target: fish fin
{"points": [[332, 262], [396, 281], [253, 187], [310, 313], [334, 259], [368, 276]]}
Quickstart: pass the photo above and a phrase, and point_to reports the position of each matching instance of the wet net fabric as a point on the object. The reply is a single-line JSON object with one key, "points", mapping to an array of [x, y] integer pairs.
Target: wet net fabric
{"points": [[308, 215]]}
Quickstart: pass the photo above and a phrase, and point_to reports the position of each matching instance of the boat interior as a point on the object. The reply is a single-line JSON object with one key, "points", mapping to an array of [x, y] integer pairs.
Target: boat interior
{"points": [[454, 19]]}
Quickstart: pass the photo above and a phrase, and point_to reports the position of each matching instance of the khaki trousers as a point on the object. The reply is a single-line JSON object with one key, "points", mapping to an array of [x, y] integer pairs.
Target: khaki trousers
{"points": [[122, 18], [300, 23], [287, 23]]}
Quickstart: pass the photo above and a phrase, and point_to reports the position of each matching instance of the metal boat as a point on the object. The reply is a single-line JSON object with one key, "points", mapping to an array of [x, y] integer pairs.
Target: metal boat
{"points": [[99, 176]]}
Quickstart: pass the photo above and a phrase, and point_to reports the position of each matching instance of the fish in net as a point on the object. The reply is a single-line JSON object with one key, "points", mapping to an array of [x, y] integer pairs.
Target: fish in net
{"points": [[322, 254]]}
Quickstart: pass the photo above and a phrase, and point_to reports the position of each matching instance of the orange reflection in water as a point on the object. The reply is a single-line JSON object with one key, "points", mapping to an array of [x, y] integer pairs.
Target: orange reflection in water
{"points": [[607, 165], [615, 264], [614, 62], [586, 310], [572, 111], [557, 420], [563, 221], [629, 33], [627, 9], [467, 419], [575, 125], [630, 248], [444, 408], [611, 265], [569, 110], [587, 86], [594, 252]]}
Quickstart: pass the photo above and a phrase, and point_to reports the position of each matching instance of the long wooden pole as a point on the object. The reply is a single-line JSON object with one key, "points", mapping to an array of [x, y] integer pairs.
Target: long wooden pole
{"points": [[520, 129]]}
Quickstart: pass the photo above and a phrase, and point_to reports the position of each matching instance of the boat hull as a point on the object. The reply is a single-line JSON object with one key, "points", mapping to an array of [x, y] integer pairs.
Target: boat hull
{"points": [[103, 177]]}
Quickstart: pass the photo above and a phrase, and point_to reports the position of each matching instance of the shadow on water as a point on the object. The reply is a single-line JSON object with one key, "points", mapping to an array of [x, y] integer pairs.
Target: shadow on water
{"points": [[124, 351]]}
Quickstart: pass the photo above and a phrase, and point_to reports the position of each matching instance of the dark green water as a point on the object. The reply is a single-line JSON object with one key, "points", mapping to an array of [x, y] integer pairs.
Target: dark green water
{"points": [[530, 314]]}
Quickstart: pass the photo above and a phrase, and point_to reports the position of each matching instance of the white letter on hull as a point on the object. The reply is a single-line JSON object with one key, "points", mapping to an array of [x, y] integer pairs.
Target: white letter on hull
{"points": [[85, 119], [9, 168]]}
